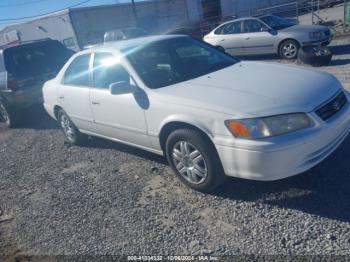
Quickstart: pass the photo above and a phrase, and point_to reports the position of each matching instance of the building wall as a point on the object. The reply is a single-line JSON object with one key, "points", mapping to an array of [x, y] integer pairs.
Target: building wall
{"points": [[248, 7], [55, 27], [155, 17]]}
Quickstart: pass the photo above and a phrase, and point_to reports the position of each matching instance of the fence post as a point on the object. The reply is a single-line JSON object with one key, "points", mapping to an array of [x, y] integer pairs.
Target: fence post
{"points": [[346, 15], [312, 12], [297, 13]]}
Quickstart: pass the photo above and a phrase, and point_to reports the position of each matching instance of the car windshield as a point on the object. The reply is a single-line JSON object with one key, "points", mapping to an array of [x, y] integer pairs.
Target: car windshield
{"points": [[175, 60], [276, 22]]}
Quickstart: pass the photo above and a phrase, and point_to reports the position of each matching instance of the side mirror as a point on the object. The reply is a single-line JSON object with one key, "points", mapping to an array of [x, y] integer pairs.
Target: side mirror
{"points": [[220, 48], [121, 88], [270, 30]]}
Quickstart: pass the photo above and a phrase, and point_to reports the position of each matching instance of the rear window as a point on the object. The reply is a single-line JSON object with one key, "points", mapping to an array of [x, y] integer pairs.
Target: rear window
{"points": [[36, 59]]}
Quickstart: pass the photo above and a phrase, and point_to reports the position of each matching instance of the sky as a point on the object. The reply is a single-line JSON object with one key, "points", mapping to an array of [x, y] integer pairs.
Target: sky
{"points": [[13, 9]]}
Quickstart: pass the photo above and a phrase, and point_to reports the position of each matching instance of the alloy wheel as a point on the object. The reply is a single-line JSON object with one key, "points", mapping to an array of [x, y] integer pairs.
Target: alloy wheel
{"points": [[67, 128], [289, 50], [189, 162]]}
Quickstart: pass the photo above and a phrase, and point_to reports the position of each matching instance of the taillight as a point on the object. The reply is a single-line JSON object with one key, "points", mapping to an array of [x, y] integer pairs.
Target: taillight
{"points": [[11, 83]]}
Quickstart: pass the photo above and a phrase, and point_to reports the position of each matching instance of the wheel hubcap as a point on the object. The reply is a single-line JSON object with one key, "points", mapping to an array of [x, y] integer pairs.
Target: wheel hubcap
{"points": [[189, 162], [67, 128], [289, 50], [4, 116]]}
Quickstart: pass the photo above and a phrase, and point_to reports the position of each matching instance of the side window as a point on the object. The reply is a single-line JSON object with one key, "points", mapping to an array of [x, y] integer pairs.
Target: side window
{"points": [[229, 29], [252, 26], [107, 70], [77, 73]]}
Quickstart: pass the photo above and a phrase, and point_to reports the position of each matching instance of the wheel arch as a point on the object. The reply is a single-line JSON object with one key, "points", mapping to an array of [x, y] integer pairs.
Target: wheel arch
{"points": [[170, 126], [56, 108]]}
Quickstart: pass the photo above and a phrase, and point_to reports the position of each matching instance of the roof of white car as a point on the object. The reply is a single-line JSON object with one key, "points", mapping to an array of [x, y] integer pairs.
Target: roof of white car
{"points": [[132, 43]]}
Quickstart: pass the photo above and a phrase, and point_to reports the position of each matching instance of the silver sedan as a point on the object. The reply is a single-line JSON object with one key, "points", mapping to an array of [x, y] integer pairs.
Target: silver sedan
{"points": [[267, 35]]}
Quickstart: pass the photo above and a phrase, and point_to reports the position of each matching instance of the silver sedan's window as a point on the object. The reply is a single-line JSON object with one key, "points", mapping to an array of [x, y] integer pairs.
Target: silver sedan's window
{"points": [[252, 26], [77, 73], [230, 28]]}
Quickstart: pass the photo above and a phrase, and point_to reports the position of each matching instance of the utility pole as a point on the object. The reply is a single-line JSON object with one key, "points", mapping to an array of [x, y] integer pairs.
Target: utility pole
{"points": [[135, 12]]}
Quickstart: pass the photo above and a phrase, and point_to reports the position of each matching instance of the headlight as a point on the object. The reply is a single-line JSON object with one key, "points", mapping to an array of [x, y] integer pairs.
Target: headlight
{"points": [[268, 126], [316, 35]]}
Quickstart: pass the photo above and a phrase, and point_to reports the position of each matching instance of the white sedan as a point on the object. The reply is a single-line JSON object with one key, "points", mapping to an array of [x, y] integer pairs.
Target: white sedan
{"points": [[210, 114]]}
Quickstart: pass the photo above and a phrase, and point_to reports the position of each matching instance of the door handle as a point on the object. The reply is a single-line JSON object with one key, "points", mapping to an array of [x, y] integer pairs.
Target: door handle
{"points": [[222, 40], [61, 97], [247, 38], [95, 103]]}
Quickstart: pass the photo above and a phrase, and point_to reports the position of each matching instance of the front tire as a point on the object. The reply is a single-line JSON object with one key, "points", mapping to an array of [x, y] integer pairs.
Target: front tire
{"points": [[194, 160], [7, 117], [289, 49], [71, 133]]}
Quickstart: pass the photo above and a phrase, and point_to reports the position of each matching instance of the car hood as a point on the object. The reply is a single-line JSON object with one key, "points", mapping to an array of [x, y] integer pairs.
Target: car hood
{"points": [[304, 28], [250, 89]]}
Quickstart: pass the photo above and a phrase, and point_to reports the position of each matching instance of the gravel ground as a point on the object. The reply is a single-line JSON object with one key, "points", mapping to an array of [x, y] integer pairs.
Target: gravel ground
{"points": [[110, 199]]}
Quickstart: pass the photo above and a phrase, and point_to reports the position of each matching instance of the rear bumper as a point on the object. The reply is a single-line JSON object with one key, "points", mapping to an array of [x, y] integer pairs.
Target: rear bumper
{"points": [[50, 110], [22, 99], [284, 156]]}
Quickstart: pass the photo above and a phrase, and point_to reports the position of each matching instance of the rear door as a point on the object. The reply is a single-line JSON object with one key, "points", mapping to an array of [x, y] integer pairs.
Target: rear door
{"points": [[74, 92], [257, 40], [229, 37]]}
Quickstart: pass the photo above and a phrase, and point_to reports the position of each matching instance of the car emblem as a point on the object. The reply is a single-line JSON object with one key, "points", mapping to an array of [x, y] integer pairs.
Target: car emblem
{"points": [[336, 106]]}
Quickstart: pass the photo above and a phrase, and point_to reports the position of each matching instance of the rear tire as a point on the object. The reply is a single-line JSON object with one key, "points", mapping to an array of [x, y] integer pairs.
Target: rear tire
{"points": [[71, 133], [194, 160], [289, 49], [6, 116]]}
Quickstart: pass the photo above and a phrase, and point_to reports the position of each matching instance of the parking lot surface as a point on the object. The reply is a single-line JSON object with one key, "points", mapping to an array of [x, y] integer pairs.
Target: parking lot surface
{"points": [[107, 199]]}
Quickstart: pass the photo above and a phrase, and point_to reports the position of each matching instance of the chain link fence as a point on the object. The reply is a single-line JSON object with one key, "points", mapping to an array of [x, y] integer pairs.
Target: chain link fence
{"points": [[332, 13]]}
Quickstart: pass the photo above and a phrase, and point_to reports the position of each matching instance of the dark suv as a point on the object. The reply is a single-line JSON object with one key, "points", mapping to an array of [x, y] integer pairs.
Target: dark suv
{"points": [[24, 68]]}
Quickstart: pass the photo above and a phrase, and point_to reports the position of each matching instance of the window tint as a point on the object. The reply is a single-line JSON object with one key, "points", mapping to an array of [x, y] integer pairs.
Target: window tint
{"points": [[252, 26], [230, 28], [107, 70], [77, 74]]}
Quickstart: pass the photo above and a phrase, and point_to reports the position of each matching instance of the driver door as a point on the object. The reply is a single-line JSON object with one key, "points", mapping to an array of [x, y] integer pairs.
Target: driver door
{"points": [[257, 39], [120, 116]]}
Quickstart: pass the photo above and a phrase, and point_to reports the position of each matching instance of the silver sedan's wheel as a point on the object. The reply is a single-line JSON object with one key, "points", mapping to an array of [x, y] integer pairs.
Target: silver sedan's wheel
{"points": [[68, 128], [289, 49], [189, 162]]}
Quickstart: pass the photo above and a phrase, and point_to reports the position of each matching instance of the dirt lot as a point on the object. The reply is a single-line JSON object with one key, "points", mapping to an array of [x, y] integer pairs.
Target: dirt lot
{"points": [[106, 198]]}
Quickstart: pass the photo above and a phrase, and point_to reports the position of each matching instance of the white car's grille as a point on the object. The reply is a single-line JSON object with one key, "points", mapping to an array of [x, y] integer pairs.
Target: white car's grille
{"points": [[331, 108]]}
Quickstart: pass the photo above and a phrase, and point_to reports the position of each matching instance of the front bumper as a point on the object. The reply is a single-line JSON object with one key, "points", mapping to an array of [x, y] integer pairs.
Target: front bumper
{"points": [[325, 41], [283, 156]]}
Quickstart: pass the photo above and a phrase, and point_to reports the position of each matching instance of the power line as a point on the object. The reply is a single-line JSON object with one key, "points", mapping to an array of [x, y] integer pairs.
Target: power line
{"points": [[20, 4], [48, 13]]}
